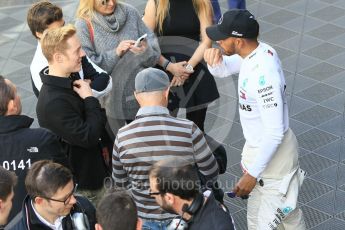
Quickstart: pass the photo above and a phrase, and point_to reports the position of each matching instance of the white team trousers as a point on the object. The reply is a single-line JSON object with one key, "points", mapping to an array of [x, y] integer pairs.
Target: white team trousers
{"points": [[267, 208], [273, 203]]}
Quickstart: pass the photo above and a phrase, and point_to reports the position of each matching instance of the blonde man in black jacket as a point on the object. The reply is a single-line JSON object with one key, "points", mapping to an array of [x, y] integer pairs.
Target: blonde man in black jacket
{"points": [[67, 107]]}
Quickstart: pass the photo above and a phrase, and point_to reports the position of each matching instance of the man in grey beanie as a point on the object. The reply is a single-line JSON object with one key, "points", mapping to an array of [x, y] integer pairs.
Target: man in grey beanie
{"points": [[152, 136]]}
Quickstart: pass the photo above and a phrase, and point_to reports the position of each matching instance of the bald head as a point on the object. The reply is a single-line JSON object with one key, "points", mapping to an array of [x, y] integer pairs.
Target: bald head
{"points": [[154, 98]]}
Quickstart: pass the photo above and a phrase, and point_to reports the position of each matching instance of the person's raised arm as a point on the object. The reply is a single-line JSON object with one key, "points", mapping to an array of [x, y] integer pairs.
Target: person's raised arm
{"points": [[149, 18], [205, 19], [220, 65]]}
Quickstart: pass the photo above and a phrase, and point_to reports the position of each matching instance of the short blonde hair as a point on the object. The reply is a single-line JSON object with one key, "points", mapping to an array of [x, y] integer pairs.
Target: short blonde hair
{"points": [[55, 40]]}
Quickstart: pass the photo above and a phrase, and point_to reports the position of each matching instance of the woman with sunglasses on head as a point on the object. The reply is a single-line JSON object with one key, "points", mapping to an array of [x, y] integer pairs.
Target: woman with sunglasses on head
{"points": [[188, 20], [108, 31]]}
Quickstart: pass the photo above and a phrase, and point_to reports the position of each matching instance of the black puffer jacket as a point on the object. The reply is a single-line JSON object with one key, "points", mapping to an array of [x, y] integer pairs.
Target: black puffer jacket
{"points": [[21, 146]]}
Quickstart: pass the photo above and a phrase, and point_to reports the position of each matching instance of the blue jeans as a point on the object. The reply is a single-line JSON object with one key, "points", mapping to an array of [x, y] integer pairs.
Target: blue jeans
{"points": [[216, 11], [232, 4], [237, 4], [155, 224]]}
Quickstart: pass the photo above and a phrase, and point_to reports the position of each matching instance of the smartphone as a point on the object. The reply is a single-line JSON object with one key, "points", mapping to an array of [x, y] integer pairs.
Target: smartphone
{"points": [[142, 38], [233, 195]]}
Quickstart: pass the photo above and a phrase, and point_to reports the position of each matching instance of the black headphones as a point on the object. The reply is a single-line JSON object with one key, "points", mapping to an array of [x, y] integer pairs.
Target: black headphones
{"points": [[179, 223], [195, 205]]}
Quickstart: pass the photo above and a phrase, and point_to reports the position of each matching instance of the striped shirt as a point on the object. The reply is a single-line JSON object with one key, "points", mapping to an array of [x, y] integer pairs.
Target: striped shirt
{"points": [[155, 135]]}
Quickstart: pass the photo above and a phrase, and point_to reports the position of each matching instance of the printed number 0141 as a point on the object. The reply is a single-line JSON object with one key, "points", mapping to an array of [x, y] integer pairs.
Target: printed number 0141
{"points": [[14, 166]]}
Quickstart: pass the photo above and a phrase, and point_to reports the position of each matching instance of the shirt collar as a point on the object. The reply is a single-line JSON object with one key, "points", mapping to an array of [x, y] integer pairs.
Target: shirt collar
{"points": [[152, 110], [57, 224], [253, 53], [63, 82]]}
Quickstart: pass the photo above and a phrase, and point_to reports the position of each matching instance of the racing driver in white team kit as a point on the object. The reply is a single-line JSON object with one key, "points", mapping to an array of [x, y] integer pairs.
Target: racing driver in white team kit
{"points": [[271, 174]]}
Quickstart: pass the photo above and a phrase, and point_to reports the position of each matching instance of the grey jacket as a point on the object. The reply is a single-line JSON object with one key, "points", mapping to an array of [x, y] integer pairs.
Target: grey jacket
{"points": [[125, 23]]}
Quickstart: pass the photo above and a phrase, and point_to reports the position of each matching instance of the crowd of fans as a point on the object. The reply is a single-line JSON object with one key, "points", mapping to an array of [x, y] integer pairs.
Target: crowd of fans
{"points": [[107, 107]]}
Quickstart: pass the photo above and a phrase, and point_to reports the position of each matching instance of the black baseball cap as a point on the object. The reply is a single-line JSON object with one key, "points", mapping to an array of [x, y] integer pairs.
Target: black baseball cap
{"points": [[234, 23]]}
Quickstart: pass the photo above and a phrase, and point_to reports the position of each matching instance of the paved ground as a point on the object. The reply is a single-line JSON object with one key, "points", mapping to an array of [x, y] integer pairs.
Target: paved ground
{"points": [[309, 36]]}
